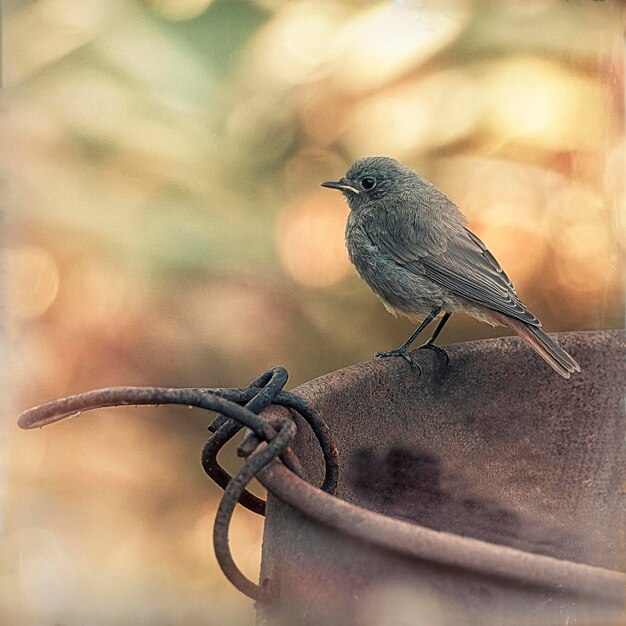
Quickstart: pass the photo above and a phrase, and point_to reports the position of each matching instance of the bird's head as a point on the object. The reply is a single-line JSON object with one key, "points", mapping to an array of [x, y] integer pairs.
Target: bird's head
{"points": [[374, 178]]}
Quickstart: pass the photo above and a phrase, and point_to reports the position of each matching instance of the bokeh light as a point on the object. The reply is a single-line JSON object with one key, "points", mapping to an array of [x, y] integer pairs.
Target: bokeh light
{"points": [[179, 9], [298, 44], [537, 101], [38, 34], [432, 113], [584, 257], [310, 240], [387, 39], [34, 281]]}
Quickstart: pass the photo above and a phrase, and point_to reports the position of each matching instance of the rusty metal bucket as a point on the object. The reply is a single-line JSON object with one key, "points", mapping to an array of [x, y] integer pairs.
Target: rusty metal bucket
{"points": [[487, 492]]}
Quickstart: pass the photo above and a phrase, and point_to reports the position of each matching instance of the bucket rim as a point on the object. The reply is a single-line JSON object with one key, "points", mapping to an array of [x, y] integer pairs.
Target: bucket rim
{"points": [[413, 540]]}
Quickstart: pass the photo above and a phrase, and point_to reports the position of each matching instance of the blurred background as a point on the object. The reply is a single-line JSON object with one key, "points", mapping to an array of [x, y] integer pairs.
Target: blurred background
{"points": [[163, 224]]}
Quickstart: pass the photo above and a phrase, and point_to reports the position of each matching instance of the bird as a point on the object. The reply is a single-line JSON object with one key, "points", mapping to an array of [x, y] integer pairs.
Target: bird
{"points": [[410, 243]]}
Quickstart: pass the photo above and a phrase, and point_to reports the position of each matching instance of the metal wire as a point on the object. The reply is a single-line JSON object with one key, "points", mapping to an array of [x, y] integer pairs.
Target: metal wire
{"points": [[268, 440], [256, 462]]}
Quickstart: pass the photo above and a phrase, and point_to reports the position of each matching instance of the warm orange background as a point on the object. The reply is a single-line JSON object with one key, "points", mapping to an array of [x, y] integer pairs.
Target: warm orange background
{"points": [[165, 226]]}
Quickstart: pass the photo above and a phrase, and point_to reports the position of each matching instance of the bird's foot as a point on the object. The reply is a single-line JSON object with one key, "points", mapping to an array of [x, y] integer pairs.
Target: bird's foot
{"points": [[436, 348], [407, 357]]}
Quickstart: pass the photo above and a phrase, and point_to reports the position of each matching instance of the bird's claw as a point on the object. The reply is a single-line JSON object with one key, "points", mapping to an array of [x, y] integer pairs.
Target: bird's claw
{"points": [[407, 357], [436, 348]]}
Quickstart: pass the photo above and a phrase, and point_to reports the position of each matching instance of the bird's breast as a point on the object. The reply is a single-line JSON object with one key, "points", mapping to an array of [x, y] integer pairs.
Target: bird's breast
{"points": [[403, 292]]}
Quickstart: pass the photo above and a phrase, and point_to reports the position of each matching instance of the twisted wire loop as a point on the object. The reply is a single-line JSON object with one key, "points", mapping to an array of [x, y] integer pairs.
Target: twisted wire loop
{"points": [[237, 408]]}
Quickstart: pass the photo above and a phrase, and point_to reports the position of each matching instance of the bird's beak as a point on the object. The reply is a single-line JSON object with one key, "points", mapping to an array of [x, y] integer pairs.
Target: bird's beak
{"points": [[342, 185]]}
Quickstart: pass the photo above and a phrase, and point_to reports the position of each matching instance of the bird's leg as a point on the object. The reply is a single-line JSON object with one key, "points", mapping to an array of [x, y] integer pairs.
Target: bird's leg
{"points": [[402, 350], [430, 344]]}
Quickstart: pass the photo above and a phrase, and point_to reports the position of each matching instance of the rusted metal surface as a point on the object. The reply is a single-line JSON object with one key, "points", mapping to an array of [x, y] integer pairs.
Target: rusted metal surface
{"points": [[487, 490], [481, 492]]}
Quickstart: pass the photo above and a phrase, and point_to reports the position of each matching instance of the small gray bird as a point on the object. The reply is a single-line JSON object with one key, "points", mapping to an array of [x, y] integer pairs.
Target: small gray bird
{"points": [[409, 242]]}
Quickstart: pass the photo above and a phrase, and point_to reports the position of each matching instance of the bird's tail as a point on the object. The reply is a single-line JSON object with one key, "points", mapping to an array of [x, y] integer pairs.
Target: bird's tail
{"points": [[545, 347]]}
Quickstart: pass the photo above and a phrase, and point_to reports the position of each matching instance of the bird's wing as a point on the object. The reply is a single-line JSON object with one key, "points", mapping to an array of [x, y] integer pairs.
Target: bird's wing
{"points": [[464, 267]]}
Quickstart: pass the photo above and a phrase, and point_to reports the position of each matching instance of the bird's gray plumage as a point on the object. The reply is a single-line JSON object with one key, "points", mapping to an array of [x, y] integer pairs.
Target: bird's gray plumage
{"points": [[417, 228], [411, 245]]}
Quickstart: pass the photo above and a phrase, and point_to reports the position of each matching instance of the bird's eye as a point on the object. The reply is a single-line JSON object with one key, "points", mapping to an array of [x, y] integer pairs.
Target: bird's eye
{"points": [[368, 183]]}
